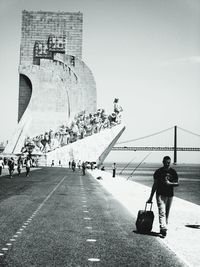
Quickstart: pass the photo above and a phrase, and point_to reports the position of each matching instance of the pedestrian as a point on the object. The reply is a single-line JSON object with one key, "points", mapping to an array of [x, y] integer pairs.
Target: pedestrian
{"points": [[69, 164], [102, 168], [79, 164], [59, 163], [19, 165], [1, 165], [11, 167], [73, 165], [165, 178], [83, 167], [92, 165], [114, 170], [28, 165], [52, 163]]}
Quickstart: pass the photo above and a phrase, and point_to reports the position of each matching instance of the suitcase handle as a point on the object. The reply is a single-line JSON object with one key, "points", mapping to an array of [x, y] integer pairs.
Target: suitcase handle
{"points": [[150, 207]]}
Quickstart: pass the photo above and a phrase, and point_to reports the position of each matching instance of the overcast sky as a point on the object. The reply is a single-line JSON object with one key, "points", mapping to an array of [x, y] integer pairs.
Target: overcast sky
{"points": [[145, 52]]}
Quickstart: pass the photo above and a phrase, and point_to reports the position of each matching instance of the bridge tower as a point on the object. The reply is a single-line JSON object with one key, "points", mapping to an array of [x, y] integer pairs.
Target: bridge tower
{"points": [[175, 144]]}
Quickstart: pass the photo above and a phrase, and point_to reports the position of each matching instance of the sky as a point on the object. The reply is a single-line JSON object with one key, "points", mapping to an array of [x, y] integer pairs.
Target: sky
{"points": [[144, 52]]}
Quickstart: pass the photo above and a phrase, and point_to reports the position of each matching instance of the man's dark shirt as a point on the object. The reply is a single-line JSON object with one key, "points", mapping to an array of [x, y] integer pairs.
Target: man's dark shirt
{"points": [[160, 176]]}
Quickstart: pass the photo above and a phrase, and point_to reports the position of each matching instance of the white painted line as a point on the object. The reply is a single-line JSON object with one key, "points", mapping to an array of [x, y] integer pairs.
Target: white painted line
{"points": [[12, 239], [4, 249], [24, 226], [8, 244], [88, 227], [15, 236], [1, 254], [93, 259], [21, 229], [84, 201], [91, 240], [87, 218], [85, 211]]}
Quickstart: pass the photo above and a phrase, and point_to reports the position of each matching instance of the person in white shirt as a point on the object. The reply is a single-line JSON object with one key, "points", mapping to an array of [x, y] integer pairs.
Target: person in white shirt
{"points": [[28, 165], [1, 165]]}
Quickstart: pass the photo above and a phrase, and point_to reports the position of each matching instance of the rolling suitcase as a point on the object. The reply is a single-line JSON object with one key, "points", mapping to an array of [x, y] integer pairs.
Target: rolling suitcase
{"points": [[144, 220]]}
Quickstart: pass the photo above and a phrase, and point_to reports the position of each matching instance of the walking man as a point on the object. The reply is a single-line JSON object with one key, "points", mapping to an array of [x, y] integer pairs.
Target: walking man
{"points": [[73, 165], [52, 163], [83, 167], [28, 165], [11, 167], [165, 178], [19, 165]]}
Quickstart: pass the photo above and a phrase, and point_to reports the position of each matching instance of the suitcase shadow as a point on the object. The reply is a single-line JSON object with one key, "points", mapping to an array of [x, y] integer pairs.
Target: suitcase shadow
{"points": [[150, 233]]}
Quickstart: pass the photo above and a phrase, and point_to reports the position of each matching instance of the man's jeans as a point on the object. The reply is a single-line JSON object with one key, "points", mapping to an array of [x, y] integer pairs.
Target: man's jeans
{"points": [[164, 204]]}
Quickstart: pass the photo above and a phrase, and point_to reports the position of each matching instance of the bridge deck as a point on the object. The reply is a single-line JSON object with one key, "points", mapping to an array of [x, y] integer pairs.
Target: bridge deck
{"points": [[153, 148]]}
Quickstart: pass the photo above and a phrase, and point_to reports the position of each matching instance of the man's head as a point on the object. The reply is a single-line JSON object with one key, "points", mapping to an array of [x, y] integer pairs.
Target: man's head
{"points": [[166, 162]]}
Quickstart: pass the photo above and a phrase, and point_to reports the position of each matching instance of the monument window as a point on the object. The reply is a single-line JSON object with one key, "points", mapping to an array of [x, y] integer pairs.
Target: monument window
{"points": [[56, 43]]}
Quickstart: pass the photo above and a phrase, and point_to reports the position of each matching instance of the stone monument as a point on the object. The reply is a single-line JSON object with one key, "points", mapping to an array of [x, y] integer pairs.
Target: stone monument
{"points": [[55, 84]]}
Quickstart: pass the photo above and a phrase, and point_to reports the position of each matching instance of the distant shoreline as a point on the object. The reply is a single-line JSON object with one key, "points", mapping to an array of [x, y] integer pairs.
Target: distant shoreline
{"points": [[148, 163]]}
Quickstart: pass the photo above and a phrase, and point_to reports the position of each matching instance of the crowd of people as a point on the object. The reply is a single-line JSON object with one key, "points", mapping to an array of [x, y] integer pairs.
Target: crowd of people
{"points": [[81, 126], [82, 165], [17, 164]]}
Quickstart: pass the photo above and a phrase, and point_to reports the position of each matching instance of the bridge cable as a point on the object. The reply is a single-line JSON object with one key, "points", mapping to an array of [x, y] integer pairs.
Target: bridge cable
{"points": [[126, 166], [187, 131], [138, 166], [123, 142]]}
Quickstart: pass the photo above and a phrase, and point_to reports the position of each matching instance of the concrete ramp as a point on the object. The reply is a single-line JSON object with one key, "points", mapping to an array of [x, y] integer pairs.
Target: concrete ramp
{"points": [[92, 148]]}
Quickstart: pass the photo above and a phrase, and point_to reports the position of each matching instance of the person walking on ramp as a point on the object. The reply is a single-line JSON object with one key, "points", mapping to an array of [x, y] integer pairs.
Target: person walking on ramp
{"points": [[165, 178]]}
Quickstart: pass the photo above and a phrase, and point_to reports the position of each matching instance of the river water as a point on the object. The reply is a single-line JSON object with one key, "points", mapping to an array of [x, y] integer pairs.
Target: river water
{"points": [[189, 177]]}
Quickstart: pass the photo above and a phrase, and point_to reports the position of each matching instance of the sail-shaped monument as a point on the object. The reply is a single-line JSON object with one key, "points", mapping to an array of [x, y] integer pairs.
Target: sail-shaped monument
{"points": [[57, 105]]}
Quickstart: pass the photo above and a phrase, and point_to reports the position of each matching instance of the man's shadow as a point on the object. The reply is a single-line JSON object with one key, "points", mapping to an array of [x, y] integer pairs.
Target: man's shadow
{"points": [[148, 233]]}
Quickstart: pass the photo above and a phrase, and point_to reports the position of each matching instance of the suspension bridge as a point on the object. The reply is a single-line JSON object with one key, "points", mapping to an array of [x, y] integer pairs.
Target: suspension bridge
{"points": [[173, 148]]}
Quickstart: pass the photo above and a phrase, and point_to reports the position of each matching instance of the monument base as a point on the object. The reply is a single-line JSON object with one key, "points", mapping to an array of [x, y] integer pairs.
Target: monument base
{"points": [[94, 148]]}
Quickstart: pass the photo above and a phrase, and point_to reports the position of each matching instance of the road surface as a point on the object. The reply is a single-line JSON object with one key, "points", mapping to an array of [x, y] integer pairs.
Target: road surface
{"points": [[59, 218]]}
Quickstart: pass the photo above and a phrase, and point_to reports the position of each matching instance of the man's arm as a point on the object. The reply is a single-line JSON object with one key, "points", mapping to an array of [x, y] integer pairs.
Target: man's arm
{"points": [[174, 181], [171, 183], [153, 190]]}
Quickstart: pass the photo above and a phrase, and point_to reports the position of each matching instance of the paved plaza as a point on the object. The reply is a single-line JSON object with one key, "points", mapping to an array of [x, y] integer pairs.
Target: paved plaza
{"points": [[183, 235]]}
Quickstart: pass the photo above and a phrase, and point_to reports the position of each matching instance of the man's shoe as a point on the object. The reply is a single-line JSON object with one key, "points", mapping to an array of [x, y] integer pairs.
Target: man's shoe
{"points": [[163, 232]]}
